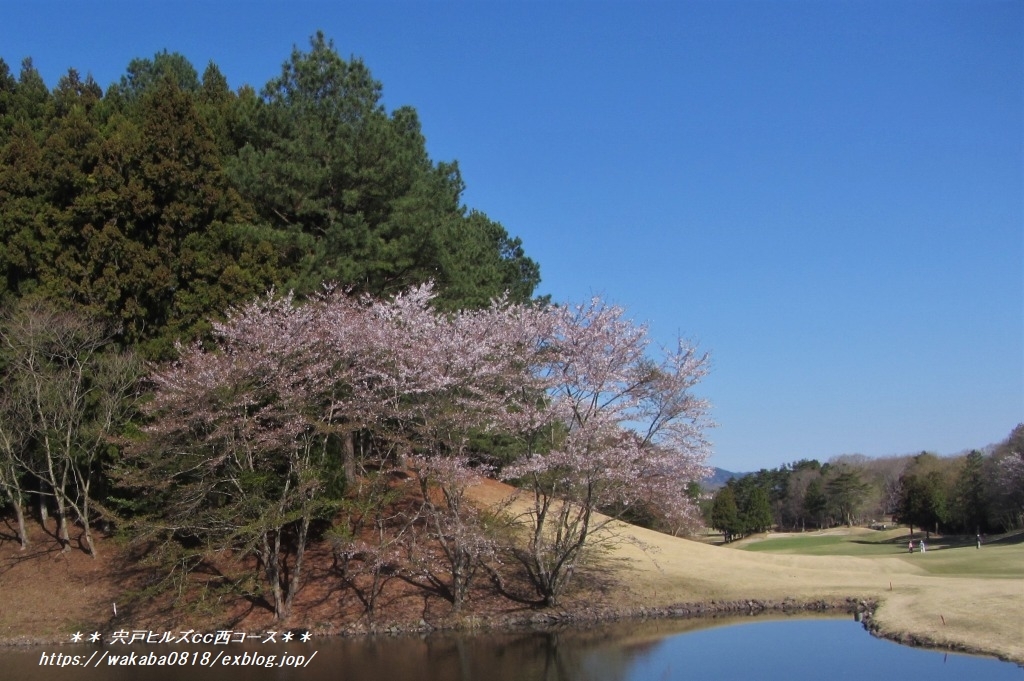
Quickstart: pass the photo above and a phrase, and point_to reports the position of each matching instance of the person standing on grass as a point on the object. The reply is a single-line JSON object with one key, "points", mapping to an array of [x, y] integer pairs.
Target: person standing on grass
{"points": [[923, 547], [910, 546]]}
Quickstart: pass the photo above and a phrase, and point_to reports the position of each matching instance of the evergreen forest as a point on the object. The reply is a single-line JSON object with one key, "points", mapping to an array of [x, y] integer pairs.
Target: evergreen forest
{"points": [[155, 205]]}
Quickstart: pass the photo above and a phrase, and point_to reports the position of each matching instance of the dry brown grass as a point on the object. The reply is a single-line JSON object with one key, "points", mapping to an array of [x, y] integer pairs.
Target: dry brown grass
{"points": [[978, 614]]}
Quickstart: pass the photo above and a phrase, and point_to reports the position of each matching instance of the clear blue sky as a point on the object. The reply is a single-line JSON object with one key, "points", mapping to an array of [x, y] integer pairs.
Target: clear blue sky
{"points": [[828, 196]]}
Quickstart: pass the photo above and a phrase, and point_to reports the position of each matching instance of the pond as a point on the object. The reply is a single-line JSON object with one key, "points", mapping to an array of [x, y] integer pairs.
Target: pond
{"points": [[751, 648]]}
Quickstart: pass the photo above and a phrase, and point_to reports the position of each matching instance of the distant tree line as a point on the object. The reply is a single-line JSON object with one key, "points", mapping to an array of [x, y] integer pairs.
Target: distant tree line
{"points": [[972, 493]]}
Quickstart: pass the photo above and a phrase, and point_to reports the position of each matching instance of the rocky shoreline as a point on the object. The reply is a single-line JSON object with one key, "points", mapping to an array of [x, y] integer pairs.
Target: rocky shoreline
{"points": [[589, 615], [558, 618], [586, 617]]}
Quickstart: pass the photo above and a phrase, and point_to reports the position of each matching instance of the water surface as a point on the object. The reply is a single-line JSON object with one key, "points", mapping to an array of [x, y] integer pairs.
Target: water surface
{"points": [[725, 649]]}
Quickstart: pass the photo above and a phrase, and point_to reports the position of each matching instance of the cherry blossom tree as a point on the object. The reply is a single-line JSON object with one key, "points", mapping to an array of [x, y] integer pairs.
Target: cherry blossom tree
{"points": [[371, 537], [436, 376], [452, 524], [617, 429], [445, 377], [257, 422], [1009, 489], [237, 448], [255, 437]]}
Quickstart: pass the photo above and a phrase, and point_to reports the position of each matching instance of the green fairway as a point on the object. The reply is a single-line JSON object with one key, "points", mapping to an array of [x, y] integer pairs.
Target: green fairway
{"points": [[1001, 557], [817, 544], [999, 561]]}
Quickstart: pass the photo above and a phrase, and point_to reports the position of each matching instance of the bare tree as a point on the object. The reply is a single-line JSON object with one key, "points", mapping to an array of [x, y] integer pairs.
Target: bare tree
{"points": [[14, 438], [78, 390]]}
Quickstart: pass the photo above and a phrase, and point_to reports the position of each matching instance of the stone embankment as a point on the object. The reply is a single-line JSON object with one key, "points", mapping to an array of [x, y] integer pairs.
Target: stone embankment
{"points": [[589, 615]]}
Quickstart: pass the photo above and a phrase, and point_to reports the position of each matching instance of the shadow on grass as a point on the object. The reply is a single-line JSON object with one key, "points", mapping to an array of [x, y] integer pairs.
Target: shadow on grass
{"points": [[948, 541], [935, 542], [1009, 539]]}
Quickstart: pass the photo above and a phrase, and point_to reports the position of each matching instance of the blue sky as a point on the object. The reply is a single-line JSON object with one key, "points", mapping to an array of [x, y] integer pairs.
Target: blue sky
{"points": [[827, 196]]}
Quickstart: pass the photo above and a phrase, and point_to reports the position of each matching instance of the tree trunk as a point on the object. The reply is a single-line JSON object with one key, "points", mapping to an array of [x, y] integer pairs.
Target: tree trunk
{"points": [[295, 578], [83, 518], [62, 531], [88, 539], [348, 454], [272, 570], [62, 518], [19, 514]]}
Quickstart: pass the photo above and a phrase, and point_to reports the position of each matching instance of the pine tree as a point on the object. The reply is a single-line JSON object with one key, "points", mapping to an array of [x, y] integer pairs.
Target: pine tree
{"points": [[725, 515]]}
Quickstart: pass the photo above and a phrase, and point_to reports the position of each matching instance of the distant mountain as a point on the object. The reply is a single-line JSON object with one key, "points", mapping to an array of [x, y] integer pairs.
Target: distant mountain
{"points": [[719, 477]]}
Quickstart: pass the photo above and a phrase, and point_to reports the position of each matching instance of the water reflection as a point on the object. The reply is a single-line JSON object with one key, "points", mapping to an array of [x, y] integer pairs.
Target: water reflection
{"points": [[727, 648]]}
